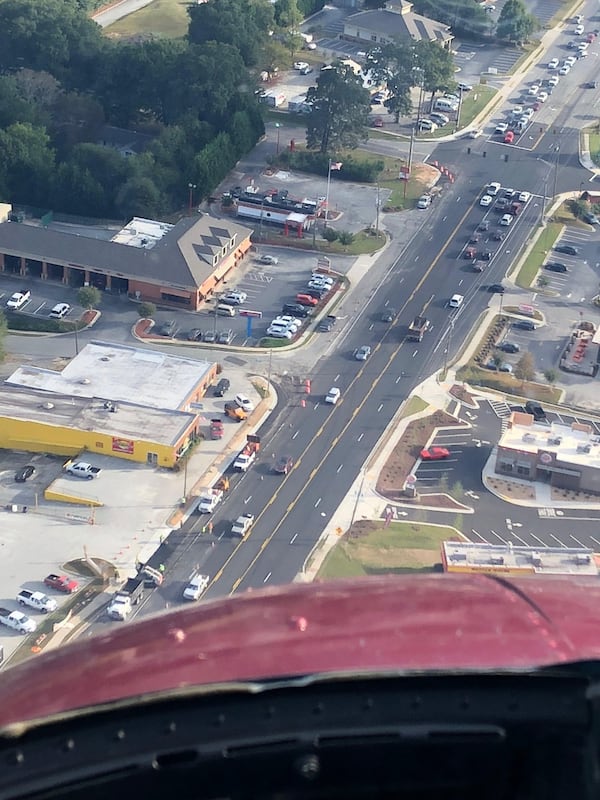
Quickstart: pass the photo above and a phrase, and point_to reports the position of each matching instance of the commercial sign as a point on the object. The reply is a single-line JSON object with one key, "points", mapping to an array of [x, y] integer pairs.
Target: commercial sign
{"points": [[245, 312], [122, 445]]}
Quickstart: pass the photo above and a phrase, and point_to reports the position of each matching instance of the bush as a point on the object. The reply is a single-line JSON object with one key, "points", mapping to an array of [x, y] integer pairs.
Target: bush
{"points": [[21, 322], [146, 310], [345, 237], [330, 234], [363, 171]]}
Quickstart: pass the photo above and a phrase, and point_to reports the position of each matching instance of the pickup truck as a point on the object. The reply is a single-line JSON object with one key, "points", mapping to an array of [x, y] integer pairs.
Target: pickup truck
{"points": [[417, 329], [17, 621], [235, 412], [81, 469], [216, 429], [241, 527], [61, 583], [37, 600], [129, 595], [209, 500], [328, 323], [246, 457], [196, 587]]}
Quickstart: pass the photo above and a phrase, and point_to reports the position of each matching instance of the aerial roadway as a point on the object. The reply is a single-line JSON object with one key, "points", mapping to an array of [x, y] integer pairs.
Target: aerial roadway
{"points": [[330, 444]]}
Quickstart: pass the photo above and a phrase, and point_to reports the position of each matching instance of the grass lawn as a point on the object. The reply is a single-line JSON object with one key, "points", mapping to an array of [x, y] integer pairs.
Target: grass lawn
{"points": [[372, 549], [413, 405], [473, 104], [594, 138], [538, 254], [165, 18], [363, 243]]}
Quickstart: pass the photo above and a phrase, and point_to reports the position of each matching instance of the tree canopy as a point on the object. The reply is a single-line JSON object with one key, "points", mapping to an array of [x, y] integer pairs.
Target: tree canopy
{"points": [[515, 23], [340, 110], [63, 81]]}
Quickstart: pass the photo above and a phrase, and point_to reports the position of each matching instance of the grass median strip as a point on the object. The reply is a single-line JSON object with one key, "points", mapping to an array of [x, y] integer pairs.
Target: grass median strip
{"points": [[538, 254]]}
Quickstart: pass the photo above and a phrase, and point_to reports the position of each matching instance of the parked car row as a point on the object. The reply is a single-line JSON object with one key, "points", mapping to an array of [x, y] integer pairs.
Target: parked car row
{"points": [[18, 300], [294, 314]]}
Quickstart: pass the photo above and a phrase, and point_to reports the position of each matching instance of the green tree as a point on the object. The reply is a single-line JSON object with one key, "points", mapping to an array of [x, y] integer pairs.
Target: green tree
{"points": [[525, 368], [466, 17], [515, 23], [346, 238], [340, 110], [245, 25], [26, 163], [457, 491], [330, 234], [139, 197], [497, 360], [551, 375], [437, 65], [146, 310], [393, 65], [89, 297]]}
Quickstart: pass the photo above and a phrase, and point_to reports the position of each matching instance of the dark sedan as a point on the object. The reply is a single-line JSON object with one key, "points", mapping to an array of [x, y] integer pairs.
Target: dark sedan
{"points": [[555, 266], [496, 288], [567, 249], [24, 473]]}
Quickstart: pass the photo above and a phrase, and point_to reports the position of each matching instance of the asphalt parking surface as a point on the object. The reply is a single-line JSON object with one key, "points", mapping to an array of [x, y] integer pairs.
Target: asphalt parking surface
{"points": [[44, 295]]}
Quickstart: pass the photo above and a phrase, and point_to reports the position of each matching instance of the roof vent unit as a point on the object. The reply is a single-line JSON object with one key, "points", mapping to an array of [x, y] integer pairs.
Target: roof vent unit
{"points": [[85, 381], [48, 406], [110, 406]]}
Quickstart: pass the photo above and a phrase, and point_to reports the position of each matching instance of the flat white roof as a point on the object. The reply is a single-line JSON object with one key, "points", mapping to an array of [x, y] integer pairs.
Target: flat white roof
{"points": [[147, 378], [569, 446], [475, 557], [142, 233]]}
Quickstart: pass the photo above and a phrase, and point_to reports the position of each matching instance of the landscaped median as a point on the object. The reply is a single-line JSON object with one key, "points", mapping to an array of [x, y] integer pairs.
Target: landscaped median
{"points": [[538, 253]]}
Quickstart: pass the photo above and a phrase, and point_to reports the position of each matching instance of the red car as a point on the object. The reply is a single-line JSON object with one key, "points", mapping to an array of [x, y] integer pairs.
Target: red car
{"points": [[434, 453], [509, 137], [306, 300], [61, 583]]}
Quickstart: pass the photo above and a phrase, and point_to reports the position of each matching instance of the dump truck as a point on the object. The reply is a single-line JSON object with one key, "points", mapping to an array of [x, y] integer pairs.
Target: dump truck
{"points": [[235, 412], [417, 329], [129, 595], [216, 429], [246, 457], [241, 527], [209, 500]]}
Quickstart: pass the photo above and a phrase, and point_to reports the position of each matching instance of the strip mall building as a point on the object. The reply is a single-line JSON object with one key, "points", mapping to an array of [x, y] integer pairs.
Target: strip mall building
{"points": [[176, 265]]}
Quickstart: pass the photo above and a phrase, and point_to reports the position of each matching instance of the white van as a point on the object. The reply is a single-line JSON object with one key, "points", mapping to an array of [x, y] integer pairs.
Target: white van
{"points": [[445, 104], [224, 310]]}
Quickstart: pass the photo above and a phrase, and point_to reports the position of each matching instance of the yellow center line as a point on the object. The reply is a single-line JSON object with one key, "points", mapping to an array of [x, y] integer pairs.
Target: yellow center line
{"points": [[314, 472]]}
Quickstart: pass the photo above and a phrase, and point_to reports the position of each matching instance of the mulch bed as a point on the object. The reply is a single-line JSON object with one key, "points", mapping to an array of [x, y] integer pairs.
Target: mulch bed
{"points": [[143, 327], [464, 395], [404, 456]]}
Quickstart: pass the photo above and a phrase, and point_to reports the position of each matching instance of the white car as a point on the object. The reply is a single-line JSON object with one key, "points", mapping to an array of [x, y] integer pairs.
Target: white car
{"points": [[553, 63], [300, 65], [426, 125], [279, 333], [474, 134], [362, 353], [501, 127], [579, 30], [493, 189], [268, 260], [564, 70], [333, 395], [60, 310], [570, 61], [578, 19], [506, 220], [517, 111], [456, 301], [318, 276], [234, 298], [553, 81], [486, 200], [465, 87], [18, 299], [196, 587], [424, 201], [528, 113], [542, 97], [533, 90], [524, 197], [243, 402]]}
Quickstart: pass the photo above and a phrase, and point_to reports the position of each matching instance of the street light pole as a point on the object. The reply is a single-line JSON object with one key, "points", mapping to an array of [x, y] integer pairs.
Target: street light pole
{"points": [[557, 154], [191, 187], [277, 126], [377, 205]]}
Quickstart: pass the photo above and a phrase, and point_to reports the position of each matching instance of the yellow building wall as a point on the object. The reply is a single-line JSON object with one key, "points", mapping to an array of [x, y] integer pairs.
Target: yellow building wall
{"points": [[38, 437]]}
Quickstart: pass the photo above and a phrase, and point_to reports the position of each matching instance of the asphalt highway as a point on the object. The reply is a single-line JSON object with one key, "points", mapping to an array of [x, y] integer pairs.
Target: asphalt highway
{"points": [[330, 444]]}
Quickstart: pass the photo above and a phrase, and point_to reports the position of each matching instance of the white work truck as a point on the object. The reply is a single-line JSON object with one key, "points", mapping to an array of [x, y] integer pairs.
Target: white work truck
{"points": [[17, 621], [196, 587], [81, 469], [38, 600], [241, 527], [209, 500]]}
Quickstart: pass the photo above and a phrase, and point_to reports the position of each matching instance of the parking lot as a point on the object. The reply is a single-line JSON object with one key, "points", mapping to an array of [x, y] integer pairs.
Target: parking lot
{"points": [[44, 296], [137, 502], [267, 288], [463, 465]]}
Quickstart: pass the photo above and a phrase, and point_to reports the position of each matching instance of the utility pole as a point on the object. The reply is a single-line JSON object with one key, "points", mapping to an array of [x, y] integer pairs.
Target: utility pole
{"points": [[191, 187], [377, 205]]}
